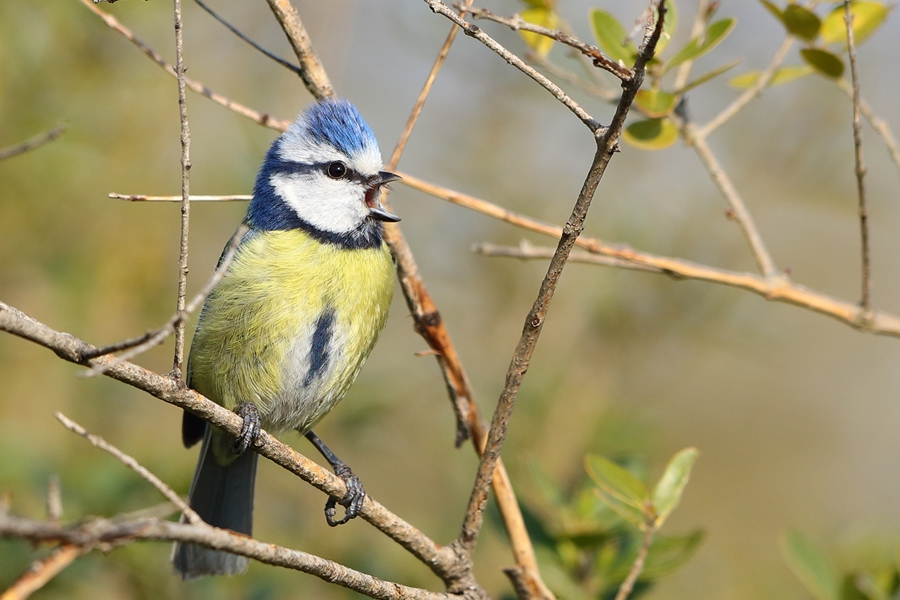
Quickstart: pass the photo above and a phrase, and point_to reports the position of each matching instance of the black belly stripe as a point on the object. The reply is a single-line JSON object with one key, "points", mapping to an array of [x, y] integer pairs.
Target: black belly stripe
{"points": [[318, 352]]}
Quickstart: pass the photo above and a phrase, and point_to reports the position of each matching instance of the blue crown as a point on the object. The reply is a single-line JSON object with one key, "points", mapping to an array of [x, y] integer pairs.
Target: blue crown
{"points": [[337, 122]]}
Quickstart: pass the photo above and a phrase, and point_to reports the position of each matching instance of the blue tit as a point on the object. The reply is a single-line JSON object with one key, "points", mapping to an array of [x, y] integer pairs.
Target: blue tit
{"points": [[287, 329]]}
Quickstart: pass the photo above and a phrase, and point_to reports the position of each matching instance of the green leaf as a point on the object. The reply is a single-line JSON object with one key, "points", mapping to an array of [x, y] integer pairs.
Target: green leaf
{"points": [[618, 488], [546, 487], [700, 45], [655, 103], [652, 134], [558, 577], [547, 4], [810, 566], [671, 485], [801, 22], [707, 76], [667, 554], [669, 27], [610, 36], [782, 75], [544, 17], [867, 17], [826, 63], [774, 10]]}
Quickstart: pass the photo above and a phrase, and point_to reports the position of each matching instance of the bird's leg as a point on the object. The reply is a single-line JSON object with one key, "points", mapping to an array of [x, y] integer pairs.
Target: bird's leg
{"points": [[250, 428], [353, 499]]}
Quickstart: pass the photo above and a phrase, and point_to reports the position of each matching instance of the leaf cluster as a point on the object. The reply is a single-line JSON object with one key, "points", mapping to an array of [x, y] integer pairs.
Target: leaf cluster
{"points": [[587, 540], [825, 582]]}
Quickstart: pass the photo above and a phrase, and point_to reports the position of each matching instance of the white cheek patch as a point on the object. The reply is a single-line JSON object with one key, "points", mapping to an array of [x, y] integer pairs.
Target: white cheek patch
{"points": [[335, 206]]}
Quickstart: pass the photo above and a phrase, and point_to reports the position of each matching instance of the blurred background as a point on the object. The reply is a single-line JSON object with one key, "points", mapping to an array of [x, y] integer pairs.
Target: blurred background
{"points": [[796, 416]]}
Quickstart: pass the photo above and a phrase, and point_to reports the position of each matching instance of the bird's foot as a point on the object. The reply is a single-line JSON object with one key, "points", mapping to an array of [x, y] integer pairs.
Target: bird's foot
{"points": [[249, 430], [353, 499]]}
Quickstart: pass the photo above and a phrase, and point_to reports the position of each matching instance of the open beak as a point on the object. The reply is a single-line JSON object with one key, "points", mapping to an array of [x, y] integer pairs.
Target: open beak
{"points": [[376, 210]]}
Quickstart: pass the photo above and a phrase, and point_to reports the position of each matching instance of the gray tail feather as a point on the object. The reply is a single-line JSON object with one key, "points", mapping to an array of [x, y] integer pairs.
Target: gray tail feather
{"points": [[223, 497]]}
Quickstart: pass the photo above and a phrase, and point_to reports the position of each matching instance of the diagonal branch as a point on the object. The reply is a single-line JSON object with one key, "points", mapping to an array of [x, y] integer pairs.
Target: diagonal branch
{"points": [[607, 140], [150, 339], [107, 534], [442, 561], [189, 514], [35, 142], [40, 572], [737, 207], [777, 289], [259, 117], [879, 125], [751, 92], [474, 31], [311, 70], [517, 23]]}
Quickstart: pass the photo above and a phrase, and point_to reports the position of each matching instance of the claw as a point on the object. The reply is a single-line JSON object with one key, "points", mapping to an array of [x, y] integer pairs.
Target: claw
{"points": [[250, 428], [353, 499], [355, 495]]}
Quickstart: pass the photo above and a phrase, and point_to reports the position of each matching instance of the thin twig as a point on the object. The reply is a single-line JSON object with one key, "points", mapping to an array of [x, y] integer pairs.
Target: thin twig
{"points": [[700, 19], [193, 198], [879, 125], [860, 170], [517, 23], [738, 209], [259, 117], [777, 289], [474, 31], [256, 46], [35, 142], [750, 93], [107, 534], [54, 499], [98, 442], [525, 250], [311, 70], [181, 297], [606, 145], [638, 565], [141, 344], [42, 571], [441, 560]]}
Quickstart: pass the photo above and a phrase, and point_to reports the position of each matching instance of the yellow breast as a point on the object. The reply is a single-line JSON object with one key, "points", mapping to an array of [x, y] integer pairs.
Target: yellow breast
{"points": [[290, 326]]}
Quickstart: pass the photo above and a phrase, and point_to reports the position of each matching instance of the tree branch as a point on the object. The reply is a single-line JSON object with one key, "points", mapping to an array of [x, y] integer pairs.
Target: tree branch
{"points": [[107, 534], [516, 23], [778, 289], [474, 31], [750, 93], [35, 142], [189, 514], [607, 140], [860, 170], [442, 561], [311, 70], [181, 297], [261, 118], [738, 209]]}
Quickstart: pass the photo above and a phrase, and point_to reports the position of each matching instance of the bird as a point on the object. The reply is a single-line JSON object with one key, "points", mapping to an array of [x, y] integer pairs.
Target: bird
{"points": [[286, 330]]}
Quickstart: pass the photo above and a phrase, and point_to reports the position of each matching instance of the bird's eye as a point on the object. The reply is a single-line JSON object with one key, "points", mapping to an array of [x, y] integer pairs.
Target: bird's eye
{"points": [[336, 170]]}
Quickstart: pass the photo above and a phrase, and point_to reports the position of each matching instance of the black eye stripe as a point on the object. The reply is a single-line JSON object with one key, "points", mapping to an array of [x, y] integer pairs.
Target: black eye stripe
{"points": [[296, 168]]}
